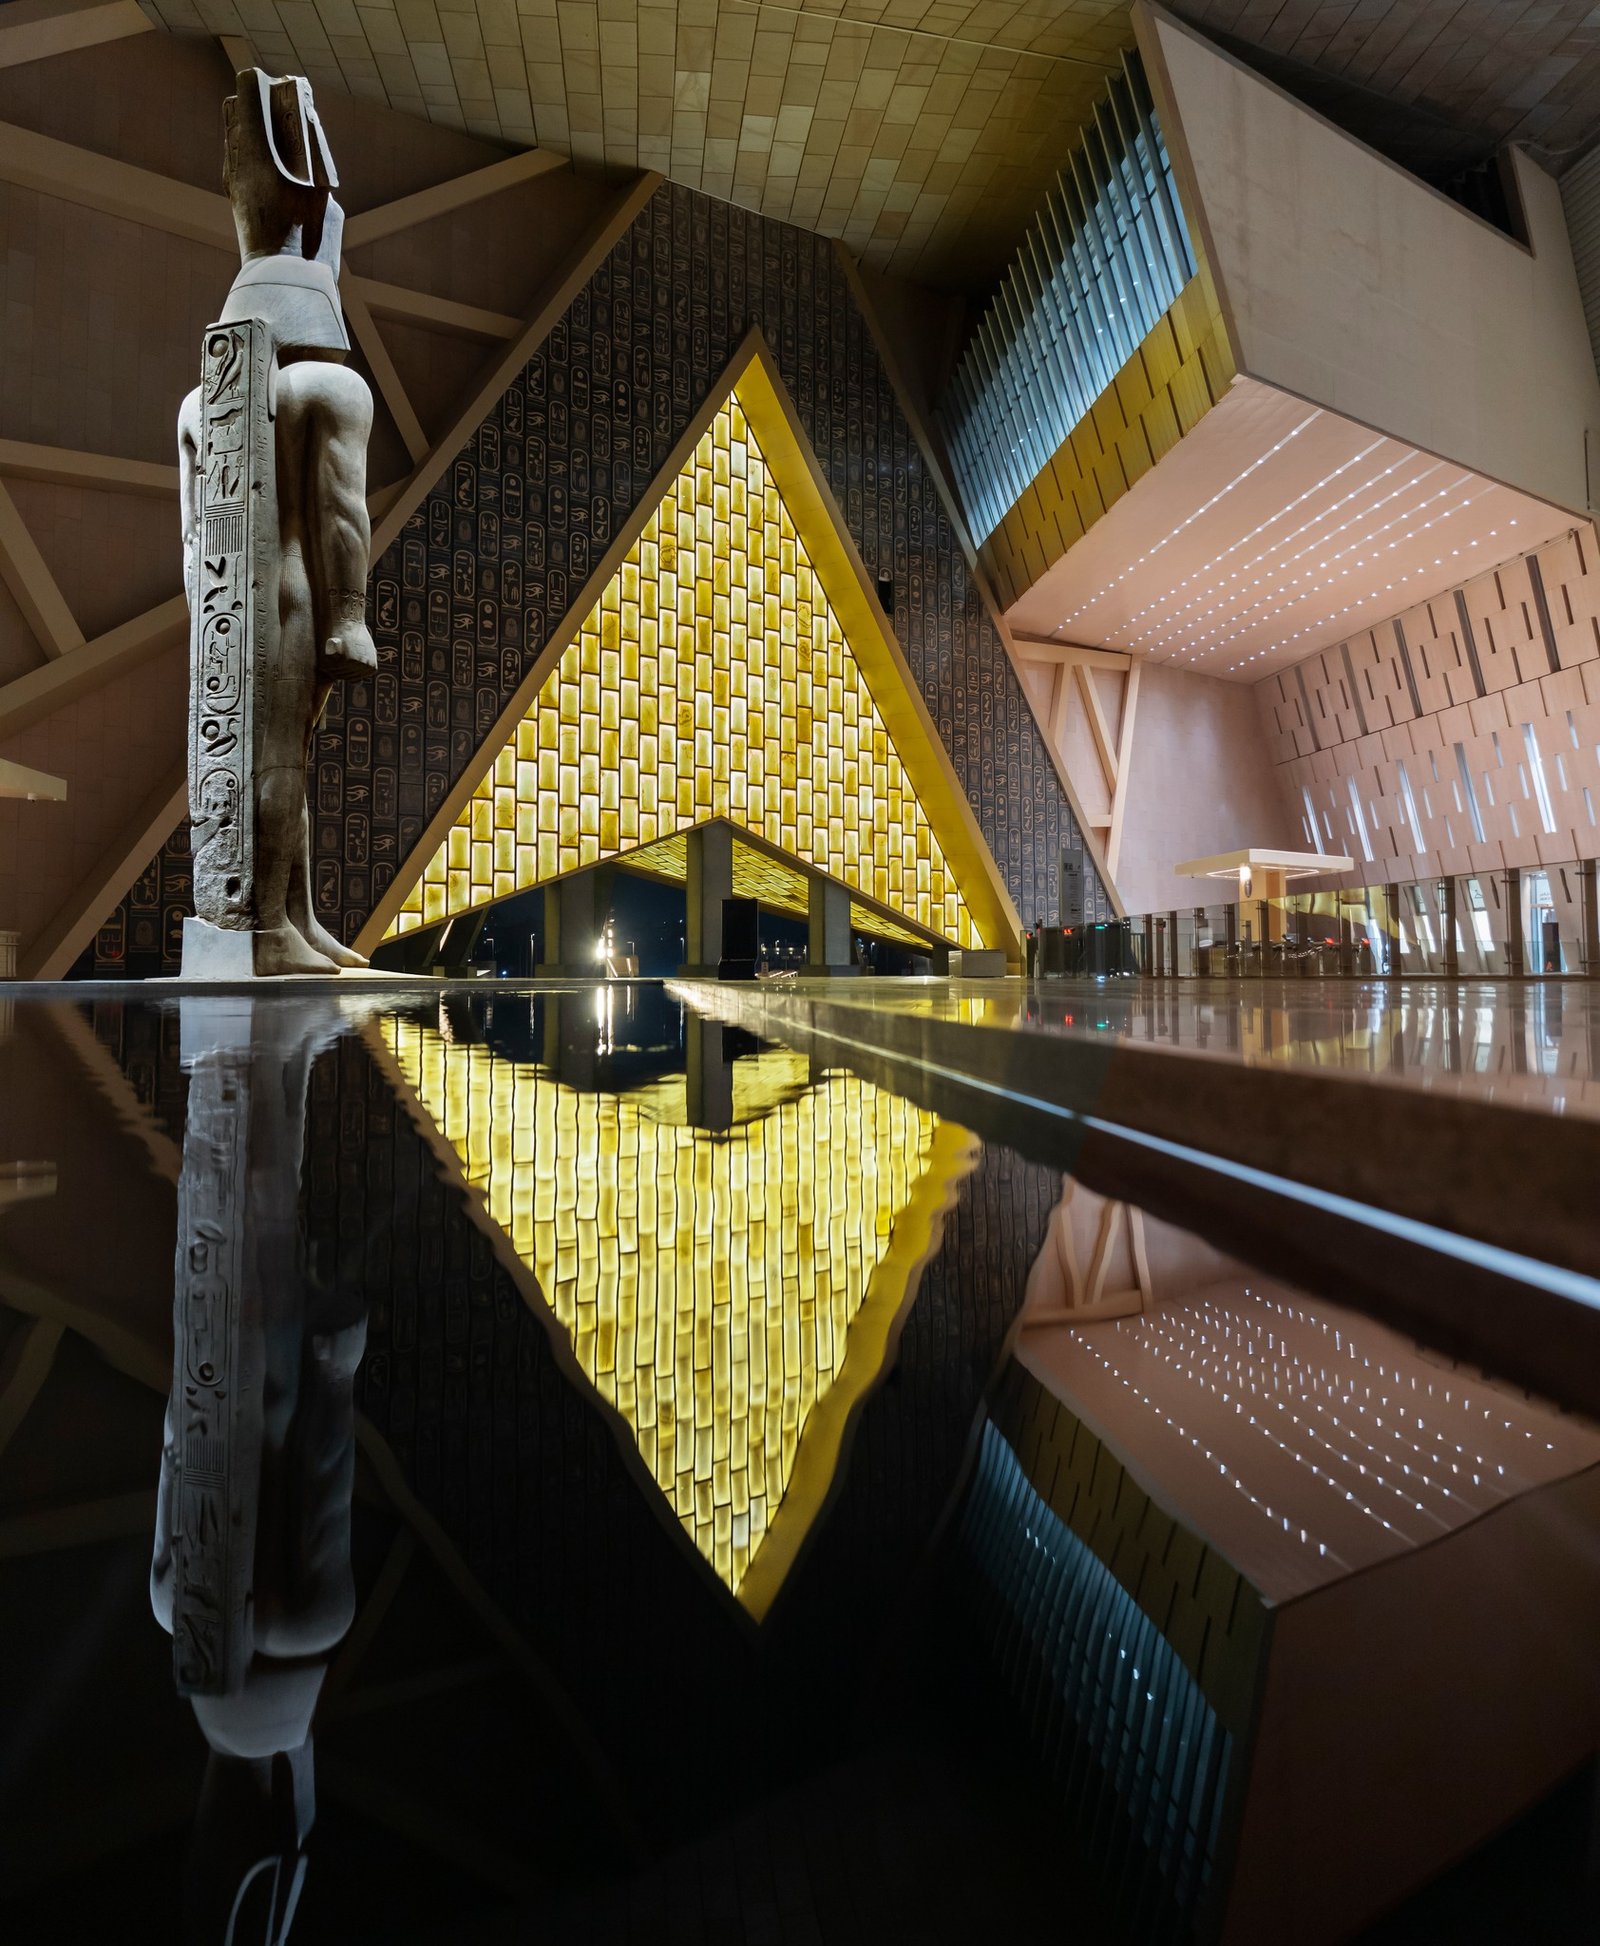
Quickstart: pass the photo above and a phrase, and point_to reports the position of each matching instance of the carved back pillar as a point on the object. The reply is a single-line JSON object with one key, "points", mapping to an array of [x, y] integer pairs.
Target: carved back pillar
{"points": [[233, 601]]}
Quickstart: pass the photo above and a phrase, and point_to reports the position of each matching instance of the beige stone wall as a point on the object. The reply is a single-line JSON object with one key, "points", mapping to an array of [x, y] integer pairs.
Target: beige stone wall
{"points": [[1376, 730], [1352, 284], [1200, 784]]}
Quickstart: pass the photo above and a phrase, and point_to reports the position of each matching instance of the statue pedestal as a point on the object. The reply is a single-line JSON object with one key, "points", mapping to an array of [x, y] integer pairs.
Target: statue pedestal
{"points": [[211, 953]]}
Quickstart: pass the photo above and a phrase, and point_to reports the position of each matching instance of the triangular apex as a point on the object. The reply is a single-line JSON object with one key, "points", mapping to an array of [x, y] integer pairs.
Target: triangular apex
{"points": [[728, 659]]}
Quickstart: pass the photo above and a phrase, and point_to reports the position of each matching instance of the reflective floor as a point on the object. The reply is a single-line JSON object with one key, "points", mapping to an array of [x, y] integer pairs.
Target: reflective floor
{"points": [[1533, 1043], [521, 1466]]}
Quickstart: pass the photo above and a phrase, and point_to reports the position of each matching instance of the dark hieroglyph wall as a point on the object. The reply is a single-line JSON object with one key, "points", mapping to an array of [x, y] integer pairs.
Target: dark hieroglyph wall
{"points": [[497, 553]]}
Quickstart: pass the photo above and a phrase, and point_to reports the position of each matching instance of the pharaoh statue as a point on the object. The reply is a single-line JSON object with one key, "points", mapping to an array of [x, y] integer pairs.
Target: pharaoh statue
{"points": [[272, 451]]}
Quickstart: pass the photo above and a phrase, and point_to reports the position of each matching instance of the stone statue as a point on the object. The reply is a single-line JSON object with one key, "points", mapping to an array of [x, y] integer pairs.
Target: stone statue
{"points": [[272, 451], [250, 1571]]}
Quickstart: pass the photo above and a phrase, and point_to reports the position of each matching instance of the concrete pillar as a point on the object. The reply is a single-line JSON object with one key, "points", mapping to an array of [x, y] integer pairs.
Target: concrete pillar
{"points": [[576, 909], [828, 937], [710, 881]]}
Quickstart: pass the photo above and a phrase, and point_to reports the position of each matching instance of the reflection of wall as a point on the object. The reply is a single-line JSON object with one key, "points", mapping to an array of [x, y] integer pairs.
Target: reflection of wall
{"points": [[501, 549], [1383, 714], [1199, 784], [728, 1296], [520, 1468]]}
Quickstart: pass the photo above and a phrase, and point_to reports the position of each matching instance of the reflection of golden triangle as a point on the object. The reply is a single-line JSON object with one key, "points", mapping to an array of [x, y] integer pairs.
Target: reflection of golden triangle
{"points": [[728, 658], [731, 1297]]}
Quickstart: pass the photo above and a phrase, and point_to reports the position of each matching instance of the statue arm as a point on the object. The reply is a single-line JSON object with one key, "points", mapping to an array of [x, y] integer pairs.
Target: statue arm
{"points": [[328, 250]]}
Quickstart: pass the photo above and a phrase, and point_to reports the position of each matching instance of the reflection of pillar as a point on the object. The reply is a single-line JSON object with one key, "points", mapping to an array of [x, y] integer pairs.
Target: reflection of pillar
{"points": [[709, 882], [576, 909], [572, 1039], [708, 1073], [251, 1570], [828, 928]]}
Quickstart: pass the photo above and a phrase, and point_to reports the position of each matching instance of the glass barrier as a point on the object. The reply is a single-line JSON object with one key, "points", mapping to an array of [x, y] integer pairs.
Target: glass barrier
{"points": [[1518, 921]]}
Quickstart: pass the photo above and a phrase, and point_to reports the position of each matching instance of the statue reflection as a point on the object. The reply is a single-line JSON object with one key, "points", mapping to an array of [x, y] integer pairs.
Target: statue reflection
{"points": [[251, 1574]]}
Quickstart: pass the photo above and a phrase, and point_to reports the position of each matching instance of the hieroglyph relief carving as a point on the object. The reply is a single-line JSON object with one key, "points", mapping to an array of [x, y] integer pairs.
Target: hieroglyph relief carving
{"points": [[235, 469], [272, 456]]}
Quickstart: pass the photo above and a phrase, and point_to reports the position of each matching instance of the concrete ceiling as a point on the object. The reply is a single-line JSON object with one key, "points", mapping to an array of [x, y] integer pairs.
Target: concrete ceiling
{"points": [[922, 132], [1273, 530]]}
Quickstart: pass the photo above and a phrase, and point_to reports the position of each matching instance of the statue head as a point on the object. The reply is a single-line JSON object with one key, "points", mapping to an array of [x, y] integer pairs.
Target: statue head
{"points": [[277, 166]]}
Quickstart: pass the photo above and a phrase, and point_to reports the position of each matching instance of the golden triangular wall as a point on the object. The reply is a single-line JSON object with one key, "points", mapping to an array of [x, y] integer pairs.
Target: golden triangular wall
{"points": [[735, 665]]}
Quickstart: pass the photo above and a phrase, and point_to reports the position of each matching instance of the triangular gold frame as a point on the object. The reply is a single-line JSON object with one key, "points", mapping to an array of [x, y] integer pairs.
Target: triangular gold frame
{"points": [[849, 590]]}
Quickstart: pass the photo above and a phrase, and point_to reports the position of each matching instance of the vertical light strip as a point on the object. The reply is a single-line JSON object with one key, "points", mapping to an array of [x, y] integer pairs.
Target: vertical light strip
{"points": [[1105, 256], [1464, 769], [1541, 789]]}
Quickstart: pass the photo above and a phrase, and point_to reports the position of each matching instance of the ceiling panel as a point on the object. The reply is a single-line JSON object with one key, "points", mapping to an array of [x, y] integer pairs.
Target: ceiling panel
{"points": [[1272, 530], [922, 132]]}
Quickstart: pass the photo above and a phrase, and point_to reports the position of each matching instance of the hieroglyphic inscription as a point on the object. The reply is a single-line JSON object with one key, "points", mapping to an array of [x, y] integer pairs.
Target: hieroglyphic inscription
{"points": [[236, 527], [216, 1405]]}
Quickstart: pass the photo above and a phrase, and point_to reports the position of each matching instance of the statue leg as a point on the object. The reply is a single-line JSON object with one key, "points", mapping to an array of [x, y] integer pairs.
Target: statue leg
{"points": [[285, 703], [302, 912], [333, 415], [338, 530]]}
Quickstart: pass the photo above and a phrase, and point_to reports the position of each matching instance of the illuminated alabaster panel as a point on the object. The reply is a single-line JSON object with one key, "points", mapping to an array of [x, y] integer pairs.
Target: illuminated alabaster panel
{"points": [[711, 680], [730, 1295]]}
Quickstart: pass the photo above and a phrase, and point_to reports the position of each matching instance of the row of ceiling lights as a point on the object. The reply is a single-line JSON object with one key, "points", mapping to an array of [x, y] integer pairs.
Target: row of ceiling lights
{"points": [[1173, 634], [1326, 564]]}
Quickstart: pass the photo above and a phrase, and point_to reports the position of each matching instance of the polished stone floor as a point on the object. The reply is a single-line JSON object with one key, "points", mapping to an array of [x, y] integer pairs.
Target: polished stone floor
{"points": [[1533, 1043], [600, 1386]]}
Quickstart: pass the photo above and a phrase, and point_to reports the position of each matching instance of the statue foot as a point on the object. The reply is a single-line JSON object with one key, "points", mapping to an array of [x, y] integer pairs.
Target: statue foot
{"points": [[320, 940], [349, 650], [282, 950]]}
